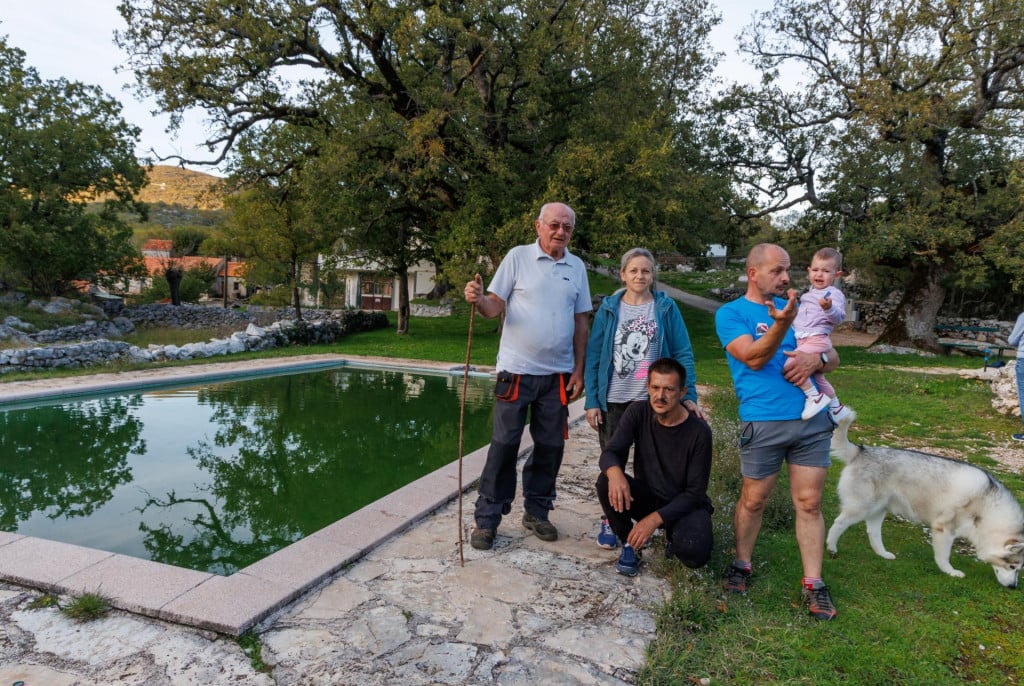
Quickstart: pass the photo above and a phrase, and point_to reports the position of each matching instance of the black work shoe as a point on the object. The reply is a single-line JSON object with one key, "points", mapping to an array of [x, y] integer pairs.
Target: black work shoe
{"points": [[819, 603], [735, 579], [542, 528], [482, 539]]}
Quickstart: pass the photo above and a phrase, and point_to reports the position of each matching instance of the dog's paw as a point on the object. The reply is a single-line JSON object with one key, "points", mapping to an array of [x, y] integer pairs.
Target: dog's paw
{"points": [[887, 555], [956, 572]]}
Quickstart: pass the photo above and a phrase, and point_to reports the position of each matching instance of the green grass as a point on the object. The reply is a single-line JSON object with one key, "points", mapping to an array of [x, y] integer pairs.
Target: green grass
{"points": [[44, 601], [250, 644], [701, 283], [87, 607], [171, 335], [38, 318], [900, 622]]}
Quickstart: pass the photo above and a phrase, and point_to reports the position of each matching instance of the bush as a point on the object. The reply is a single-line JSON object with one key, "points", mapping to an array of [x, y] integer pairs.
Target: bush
{"points": [[194, 283], [275, 297]]}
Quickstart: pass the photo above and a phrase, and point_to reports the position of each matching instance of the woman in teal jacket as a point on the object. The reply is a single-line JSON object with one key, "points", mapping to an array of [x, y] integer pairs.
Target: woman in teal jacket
{"points": [[633, 327]]}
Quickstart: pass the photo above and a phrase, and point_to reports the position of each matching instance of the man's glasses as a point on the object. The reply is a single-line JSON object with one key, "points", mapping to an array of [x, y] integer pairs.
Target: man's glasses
{"points": [[555, 226]]}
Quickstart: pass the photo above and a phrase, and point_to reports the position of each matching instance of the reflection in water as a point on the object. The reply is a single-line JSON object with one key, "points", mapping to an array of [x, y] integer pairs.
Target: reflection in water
{"points": [[37, 447], [236, 470]]}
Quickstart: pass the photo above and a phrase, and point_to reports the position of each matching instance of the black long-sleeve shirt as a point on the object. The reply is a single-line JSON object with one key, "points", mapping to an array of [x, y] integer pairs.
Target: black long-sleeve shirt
{"points": [[673, 461]]}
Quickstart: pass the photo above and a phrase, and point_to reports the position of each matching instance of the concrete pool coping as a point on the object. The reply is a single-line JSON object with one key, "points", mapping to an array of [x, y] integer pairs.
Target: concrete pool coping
{"points": [[228, 604]]}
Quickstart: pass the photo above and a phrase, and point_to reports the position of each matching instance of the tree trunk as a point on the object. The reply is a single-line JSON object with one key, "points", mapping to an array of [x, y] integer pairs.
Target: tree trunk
{"points": [[296, 296], [441, 286], [403, 300], [174, 276], [912, 323]]}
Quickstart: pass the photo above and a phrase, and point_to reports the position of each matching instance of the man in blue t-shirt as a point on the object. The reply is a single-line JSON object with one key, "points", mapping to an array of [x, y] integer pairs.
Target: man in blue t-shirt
{"points": [[758, 339], [543, 290]]}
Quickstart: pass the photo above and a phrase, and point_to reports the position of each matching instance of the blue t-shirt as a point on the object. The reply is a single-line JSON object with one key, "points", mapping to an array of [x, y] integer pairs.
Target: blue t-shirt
{"points": [[542, 296], [765, 395]]}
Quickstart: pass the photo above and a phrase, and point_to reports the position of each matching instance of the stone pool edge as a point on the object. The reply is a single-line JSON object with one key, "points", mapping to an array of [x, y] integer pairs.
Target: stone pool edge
{"points": [[235, 603]]}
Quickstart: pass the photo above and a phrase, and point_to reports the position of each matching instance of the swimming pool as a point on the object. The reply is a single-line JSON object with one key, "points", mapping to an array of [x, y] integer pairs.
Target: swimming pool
{"points": [[214, 477]]}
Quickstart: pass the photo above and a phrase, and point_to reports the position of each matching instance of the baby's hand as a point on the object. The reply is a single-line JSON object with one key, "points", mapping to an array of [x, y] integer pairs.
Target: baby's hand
{"points": [[826, 302]]}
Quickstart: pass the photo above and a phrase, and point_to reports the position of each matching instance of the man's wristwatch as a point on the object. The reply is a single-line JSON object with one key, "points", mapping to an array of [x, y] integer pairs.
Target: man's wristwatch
{"points": [[824, 360]]}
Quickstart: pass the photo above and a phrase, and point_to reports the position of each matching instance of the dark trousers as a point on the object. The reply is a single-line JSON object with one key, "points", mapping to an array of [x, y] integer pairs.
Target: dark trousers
{"points": [[689, 539], [610, 421], [543, 397]]}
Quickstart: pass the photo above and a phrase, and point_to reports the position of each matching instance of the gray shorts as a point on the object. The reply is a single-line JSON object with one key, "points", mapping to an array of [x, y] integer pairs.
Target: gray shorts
{"points": [[764, 445]]}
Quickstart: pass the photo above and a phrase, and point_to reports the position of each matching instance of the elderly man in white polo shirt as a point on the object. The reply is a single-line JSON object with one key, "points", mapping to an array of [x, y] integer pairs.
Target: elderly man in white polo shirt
{"points": [[543, 290]]}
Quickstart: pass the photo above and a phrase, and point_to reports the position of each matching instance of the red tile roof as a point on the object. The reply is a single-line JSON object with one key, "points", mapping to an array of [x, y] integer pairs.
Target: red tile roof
{"points": [[156, 265]]}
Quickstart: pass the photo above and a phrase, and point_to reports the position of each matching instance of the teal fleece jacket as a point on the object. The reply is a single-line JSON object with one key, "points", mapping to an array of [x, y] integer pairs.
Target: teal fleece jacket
{"points": [[674, 341]]}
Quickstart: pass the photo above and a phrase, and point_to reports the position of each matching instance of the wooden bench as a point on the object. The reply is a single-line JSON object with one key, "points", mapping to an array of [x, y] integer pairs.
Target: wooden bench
{"points": [[978, 347]]}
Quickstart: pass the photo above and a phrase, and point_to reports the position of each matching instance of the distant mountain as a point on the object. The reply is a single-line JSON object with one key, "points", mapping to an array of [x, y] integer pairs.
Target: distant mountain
{"points": [[183, 187]]}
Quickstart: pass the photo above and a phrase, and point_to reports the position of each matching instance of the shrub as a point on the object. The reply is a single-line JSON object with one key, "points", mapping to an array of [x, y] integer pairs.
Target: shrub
{"points": [[87, 607], [194, 283]]}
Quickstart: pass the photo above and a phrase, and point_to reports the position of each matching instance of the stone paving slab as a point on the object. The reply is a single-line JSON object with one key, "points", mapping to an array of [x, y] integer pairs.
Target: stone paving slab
{"points": [[407, 612]]}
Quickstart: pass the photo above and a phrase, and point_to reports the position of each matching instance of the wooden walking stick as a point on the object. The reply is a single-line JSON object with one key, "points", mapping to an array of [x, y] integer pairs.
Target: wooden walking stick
{"points": [[462, 415]]}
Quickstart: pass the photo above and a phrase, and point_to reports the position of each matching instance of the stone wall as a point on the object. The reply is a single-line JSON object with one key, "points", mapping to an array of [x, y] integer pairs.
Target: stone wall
{"points": [[281, 333], [872, 316], [72, 356], [416, 310], [187, 316], [86, 331]]}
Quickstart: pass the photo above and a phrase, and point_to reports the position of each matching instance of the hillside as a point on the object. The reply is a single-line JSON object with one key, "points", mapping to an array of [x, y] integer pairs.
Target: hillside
{"points": [[182, 187]]}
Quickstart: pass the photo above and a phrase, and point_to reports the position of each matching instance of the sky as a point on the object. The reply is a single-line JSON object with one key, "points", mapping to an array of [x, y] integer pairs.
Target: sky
{"points": [[74, 39]]}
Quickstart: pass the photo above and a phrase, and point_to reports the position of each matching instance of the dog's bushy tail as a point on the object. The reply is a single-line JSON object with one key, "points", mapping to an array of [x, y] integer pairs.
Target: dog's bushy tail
{"points": [[842, 449]]}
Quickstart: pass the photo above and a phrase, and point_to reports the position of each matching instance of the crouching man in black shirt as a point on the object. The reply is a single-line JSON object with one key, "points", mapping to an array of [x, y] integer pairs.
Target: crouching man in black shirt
{"points": [[671, 468]]}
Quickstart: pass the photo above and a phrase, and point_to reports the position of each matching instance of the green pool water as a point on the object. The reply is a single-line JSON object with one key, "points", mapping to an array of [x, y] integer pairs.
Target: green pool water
{"points": [[217, 476]]}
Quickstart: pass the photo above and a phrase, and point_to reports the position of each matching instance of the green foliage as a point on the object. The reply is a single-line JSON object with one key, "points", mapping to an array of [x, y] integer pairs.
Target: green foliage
{"points": [[890, 140], [38, 318], [271, 223], [87, 607], [271, 297], [63, 143], [250, 644], [186, 240], [44, 601], [195, 282], [436, 132], [331, 285]]}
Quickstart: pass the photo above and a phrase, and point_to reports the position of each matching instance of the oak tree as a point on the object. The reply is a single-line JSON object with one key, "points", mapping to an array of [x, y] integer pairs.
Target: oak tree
{"points": [[443, 126], [904, 132]]}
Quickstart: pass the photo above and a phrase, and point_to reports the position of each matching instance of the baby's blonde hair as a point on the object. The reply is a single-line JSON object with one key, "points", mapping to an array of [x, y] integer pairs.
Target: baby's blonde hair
{"points": [[832, 255]]}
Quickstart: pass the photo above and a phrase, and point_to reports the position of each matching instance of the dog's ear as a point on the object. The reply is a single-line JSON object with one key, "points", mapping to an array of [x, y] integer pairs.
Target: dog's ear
{"points": [[1014, 545]]}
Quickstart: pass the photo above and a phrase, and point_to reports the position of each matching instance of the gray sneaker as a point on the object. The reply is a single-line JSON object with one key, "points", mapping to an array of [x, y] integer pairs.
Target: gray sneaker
{"points": [[482, 539], [542, 528], [819, 603]]}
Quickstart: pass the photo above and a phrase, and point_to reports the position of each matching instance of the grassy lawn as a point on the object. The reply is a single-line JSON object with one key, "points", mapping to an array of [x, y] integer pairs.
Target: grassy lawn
{"points": [[701, 283], [900, 621]]}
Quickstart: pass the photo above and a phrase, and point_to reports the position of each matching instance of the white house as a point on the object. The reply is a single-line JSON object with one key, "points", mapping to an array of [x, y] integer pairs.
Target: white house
{"points": [[369, 287]]}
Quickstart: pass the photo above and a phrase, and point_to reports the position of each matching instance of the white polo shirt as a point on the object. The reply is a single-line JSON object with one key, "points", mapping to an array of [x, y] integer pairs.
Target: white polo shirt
{"points": [[542, 296]]}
